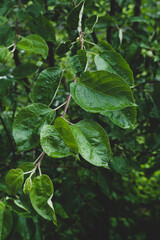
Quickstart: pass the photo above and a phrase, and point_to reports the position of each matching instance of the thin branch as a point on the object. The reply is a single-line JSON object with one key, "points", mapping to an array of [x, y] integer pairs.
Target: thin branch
{"points": [[55, 109], [73, 3], [39, 163], [8, 135], [68, 101]]}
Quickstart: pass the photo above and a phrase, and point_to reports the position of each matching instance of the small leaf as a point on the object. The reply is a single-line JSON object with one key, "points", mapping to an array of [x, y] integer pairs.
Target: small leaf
{"points": [[3, 20], [26, 167], [5, 55], [90, 23], [40, 195], [14, 181], [101, 91], [46, 85], [6, 221], [66, 133], [93, 142], [124, 118], [73, 21], [104, 46], [53, 144], [27, 185], [28, 124], [120, 165], [24, 70], [34, 43], [60, 210], [63, 47], [78, 62], [114, 63]]}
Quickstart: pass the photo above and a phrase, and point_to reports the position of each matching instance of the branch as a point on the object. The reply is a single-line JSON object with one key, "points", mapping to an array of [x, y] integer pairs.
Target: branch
{"points": [[8, 135], [73, 3]]}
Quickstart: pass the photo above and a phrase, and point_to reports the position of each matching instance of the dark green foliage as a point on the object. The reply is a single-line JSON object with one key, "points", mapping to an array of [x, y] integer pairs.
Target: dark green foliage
{"points": [[101, 151]]}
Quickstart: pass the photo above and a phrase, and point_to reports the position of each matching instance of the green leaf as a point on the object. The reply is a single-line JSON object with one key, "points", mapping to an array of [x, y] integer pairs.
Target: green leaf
{"points": [[63, 47], [60, 210], [139, 19], [7, 34], [42, 26], [35, 44], [14, 181], [124, 118], [93, 142], [3, 20], [78, 62], [101, 91], [40, 195], [28, 124], [26, 167], [5, 55], [73, 20], [120, 165], [24, 70], [46, 85], [114, 63], [6, 221], [53, 144], [90, 23], [104, 46], [27, 185], [65, 132]]}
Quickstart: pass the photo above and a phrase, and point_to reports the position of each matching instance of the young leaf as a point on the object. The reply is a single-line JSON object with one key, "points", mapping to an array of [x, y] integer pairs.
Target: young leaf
{"points": [[101, 91], [78, 62], [34, 43], [28, 124], [114, 63], [46, 85], [53, 144], [5, 54], [27, 185], [90, 23], [66, 133], [14, 181], [6, 221], [63, 47], [40, 195], [73, 21], [124, 118], [93, 142]]}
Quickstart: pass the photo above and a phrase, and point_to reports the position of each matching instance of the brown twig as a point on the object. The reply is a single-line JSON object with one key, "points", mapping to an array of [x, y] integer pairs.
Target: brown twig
{"points": [[73, 3], [39, 163]]}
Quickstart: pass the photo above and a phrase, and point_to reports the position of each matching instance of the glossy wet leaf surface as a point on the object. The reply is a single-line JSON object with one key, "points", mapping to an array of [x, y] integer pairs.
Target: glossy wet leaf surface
{"points": [[40, 195], [28, 124], [93, 142]]}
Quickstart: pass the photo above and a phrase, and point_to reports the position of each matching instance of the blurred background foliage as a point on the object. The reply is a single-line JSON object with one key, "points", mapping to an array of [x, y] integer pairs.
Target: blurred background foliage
{"points": [[90, 202]]}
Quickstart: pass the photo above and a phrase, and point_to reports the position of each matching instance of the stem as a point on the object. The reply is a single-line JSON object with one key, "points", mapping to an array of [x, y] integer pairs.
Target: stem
{"points": [[38, 158], [29, 171], [8, 136], [73, 3], [68, 100], [60, 106], [75, 79], [39, 163]]}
